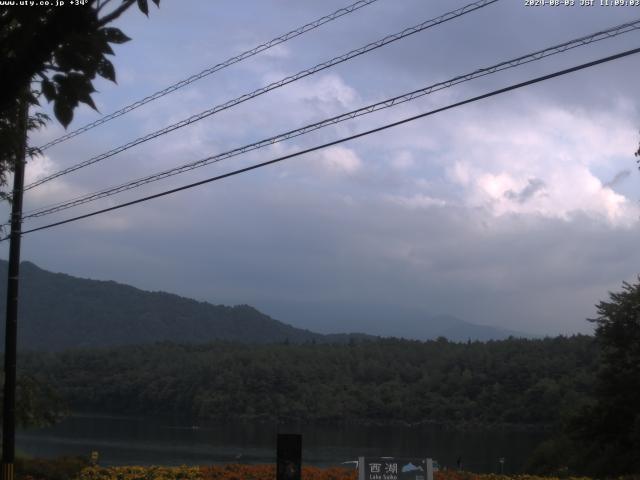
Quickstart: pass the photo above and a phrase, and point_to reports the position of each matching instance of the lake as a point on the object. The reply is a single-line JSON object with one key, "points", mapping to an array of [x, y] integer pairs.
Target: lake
{"points": [[145, 441]]}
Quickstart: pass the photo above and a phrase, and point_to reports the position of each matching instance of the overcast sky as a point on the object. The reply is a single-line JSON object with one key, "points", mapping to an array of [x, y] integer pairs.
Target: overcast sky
{"points": [[520, 211]]}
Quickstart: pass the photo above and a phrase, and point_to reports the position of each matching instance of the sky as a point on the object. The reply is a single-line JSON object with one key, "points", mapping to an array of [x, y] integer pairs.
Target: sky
{"points": [[520, 211]]}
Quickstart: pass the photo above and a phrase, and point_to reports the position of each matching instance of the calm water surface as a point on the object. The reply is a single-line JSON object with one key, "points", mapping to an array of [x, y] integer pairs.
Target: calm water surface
{"points": [[143, 441]]}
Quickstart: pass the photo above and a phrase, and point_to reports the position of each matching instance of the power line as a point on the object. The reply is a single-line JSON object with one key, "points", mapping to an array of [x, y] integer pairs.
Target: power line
{"points": [[243, 98], [538, 55], [204, 73], [341, 140]]}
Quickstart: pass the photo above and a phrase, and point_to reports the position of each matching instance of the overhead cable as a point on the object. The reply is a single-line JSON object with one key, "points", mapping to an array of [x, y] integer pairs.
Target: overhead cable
{"points": [[280, 83], [336, 142], [215, 68], [390, 102]]}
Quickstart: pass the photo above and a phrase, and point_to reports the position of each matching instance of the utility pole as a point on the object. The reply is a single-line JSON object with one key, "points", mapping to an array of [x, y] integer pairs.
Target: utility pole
{"points": [[11, 330]]}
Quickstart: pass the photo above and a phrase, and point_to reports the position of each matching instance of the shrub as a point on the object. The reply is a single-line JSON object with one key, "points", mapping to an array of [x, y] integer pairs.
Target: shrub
{"points": [[62, 468]]}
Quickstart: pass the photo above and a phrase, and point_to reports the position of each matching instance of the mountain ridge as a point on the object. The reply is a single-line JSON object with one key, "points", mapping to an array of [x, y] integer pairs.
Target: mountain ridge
{"points": [[383, 320], [59, 311]]}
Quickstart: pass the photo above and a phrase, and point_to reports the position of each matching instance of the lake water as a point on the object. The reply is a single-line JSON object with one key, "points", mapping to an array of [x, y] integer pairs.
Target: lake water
{"points": [[140, 441]]}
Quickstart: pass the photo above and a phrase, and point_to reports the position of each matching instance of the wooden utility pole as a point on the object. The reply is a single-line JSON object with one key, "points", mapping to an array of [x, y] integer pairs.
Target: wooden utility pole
{"points": [[11, 330]]}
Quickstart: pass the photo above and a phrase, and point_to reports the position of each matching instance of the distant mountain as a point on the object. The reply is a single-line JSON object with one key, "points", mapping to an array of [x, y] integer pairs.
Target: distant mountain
{"points": [[383, 320], [58, 311], [458, 331]]}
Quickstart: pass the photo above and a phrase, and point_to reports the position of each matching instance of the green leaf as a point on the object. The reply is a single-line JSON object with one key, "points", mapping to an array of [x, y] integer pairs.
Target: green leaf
{"points": [[82, 56], [157, 2], [144, 7], [72, 88], [114, 35], [65, 58], [86, 98], [48, 89], [106, 70], [73, 84], [37, 121], [102, 45], [63, 111], [83, 90]]}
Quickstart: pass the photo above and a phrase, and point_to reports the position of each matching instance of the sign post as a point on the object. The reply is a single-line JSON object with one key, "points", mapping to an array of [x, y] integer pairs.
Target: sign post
{"points": [[390, 468], [429, 469], [289, 453]]}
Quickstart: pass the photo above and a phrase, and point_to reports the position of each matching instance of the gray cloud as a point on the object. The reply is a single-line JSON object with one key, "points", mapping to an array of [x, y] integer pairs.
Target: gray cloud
{"points": [[618, 178], [534, 186], [296, 244], [299, 232]]}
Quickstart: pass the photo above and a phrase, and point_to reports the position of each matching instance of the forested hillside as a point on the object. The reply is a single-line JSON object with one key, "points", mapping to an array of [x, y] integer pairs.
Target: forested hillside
{"points": [[511, 382], [59, 311]]}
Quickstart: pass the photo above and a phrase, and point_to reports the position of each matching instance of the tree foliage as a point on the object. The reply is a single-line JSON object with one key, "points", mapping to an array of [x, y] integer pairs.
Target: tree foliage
{"points": [[37, 404], [55, 53], [608, 432], [602, 438], [513, 382], [58, 311]]}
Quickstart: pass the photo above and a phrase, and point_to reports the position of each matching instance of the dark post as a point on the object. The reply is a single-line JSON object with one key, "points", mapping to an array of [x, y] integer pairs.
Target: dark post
{"points": [[289, 465], [11, 331]]}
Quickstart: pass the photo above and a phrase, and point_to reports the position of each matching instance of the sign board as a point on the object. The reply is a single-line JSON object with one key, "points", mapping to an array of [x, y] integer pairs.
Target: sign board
{"points": [[289, 453], [395, 468]]}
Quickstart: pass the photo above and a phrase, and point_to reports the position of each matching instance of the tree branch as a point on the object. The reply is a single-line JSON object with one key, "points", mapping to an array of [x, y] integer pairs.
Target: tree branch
{"points": [[116, 13], [102, 4], [55, 68]]}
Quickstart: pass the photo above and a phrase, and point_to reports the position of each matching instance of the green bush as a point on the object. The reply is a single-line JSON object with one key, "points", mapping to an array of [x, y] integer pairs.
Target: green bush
{"points": [[62, 468]]}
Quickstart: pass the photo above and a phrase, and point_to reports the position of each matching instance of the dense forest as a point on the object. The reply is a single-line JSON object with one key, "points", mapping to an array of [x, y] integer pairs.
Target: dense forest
{"points": [[524, 383]]}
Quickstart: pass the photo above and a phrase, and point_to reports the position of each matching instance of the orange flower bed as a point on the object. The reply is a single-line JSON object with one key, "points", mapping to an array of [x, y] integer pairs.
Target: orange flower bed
{"points": [[268, 472], [455, 475]]}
